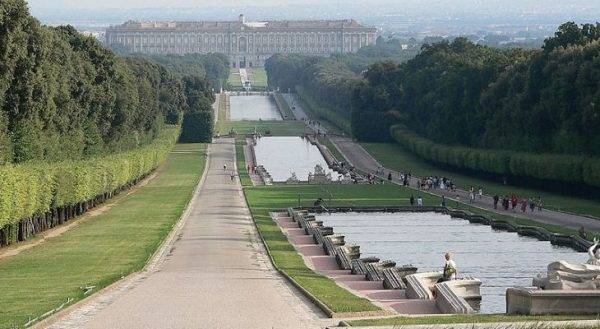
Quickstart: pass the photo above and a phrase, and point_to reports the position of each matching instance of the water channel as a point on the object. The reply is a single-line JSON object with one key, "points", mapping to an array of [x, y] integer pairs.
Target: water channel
{"points": [[283, 155], [253, 108], [499, 259]]}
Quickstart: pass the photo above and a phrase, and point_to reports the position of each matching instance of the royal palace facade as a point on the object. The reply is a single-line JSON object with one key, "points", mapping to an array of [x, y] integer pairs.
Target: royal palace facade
{"points": [[246, 43]]}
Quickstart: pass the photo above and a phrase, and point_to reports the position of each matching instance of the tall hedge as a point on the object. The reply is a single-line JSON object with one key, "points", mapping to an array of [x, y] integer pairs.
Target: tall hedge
{"points": [[552, 167], [35, 190]]}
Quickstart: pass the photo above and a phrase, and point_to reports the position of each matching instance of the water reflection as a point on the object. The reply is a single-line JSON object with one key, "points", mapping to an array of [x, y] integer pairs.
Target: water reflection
{"points": [[500, 259], [283, 155], [253, 108]]}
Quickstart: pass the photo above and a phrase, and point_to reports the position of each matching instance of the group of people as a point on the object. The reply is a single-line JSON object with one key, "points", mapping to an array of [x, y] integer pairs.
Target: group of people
{"points": [[435, 182], [513, 203], [475, 194]]}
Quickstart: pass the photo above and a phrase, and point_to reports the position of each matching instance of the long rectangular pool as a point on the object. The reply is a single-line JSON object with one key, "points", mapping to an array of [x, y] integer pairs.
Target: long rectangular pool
{"points": [[500, 259], [282, 156], [253, 108]]}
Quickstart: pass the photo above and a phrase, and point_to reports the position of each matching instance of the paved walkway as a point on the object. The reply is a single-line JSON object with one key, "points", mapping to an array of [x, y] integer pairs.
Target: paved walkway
{"points": [[363, 161], [217, 274]]}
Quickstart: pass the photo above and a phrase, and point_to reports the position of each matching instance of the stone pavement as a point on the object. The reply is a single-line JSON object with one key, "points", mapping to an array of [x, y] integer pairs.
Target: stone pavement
{"points": [[363, 161], [216, 275], [496, 325]]}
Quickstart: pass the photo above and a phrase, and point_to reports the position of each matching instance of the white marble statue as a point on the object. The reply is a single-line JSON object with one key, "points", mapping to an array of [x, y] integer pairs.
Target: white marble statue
{"points": [[594, 256]]}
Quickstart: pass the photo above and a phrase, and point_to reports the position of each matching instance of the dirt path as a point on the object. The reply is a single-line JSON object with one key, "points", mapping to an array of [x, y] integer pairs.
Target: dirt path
{"points": [[215, 275]]}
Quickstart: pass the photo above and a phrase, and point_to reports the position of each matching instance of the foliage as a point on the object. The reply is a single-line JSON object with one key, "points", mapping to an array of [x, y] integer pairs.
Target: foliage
{"points": [[330, 80], [34, 188], [64, 96], [554, 167]]}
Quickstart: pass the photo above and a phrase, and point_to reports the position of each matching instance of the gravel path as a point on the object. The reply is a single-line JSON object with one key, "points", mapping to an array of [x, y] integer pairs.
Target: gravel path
{"points": [[215, 275]]}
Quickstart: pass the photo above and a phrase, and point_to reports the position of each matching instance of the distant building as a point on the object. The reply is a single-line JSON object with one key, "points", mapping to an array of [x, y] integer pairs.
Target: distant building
{"points": [[246, 43]]}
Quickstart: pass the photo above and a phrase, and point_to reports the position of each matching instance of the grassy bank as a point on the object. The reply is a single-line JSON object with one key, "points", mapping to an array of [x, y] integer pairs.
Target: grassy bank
{"points": [[258, 78], [234, 82], [456, 319], [284, 107], [240, 159], [397, 158], [102, 250]]}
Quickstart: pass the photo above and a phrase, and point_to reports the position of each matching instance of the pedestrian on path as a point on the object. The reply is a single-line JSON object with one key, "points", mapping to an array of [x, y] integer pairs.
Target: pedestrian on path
{"points": [[225, 167], [523, 205], [531, 204], [419, 201], [539, 203], [412, 200], [390, 176], [480, 193], [496, 199], [443, 201], [471, 196], [232, 176]]}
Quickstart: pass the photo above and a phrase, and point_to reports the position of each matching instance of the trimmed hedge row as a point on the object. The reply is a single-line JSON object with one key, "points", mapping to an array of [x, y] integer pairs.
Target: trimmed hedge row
{"points": [[552, 167], [36, 196]]}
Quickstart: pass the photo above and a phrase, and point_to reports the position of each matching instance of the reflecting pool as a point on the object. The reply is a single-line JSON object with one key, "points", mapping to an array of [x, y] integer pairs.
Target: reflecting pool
{"points": [[499, 259], [283, 155], [253, 108]]}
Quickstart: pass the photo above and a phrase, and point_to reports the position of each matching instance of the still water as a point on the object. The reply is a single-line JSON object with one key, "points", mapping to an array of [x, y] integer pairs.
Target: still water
{"points": [[499, 259], [253, 108], [283, 155]]}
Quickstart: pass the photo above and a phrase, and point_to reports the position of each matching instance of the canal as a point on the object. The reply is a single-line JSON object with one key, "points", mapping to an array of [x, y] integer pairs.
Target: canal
{"points": [[253, 108], [281, 156], [499, 259]]}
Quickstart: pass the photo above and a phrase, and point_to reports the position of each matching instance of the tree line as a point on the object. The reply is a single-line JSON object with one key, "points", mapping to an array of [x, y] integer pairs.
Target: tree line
{"points": [[64, 96], [79, 123], [326, 83], [531, 104]]}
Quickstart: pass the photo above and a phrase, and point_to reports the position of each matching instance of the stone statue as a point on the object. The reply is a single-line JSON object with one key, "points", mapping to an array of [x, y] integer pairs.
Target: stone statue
{"points": [[320, 176], [293, 179], [563, 275], [594, 256]]}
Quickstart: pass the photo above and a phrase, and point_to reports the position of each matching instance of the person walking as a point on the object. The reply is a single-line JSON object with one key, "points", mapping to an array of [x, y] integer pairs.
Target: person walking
{"points": [[412, 200], [531, 204], [480, 193], [419, 201], [539, 203], [471, 196], [496, 199], [225, 167], [524, 205], [443, 201], [390, 176]]}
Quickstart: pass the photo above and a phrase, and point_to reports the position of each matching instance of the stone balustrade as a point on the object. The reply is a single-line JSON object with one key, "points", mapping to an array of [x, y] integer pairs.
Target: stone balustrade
{"points": [[534, 301]]}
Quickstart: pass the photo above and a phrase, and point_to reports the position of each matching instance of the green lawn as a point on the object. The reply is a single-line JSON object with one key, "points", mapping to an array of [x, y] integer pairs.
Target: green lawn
{"points": [[455, 319], [397, 158], [245, 179], [258, 77], [284, 107], [234, 82], [102, 250]]}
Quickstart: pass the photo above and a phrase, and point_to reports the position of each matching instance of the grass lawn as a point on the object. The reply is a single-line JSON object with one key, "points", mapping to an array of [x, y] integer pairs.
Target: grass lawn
{"points": [[102, 250], [284, 107], [397, 158], [241, 163], [398, 321], [234, 81], [258, 77]]}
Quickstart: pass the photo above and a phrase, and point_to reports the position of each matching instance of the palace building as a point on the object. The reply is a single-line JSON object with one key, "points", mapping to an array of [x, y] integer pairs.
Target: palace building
{"points": [[246, 43]]}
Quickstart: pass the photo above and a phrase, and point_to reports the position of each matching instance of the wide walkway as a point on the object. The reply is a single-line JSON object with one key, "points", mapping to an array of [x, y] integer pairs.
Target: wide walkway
{"points": [[217, 274]]}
